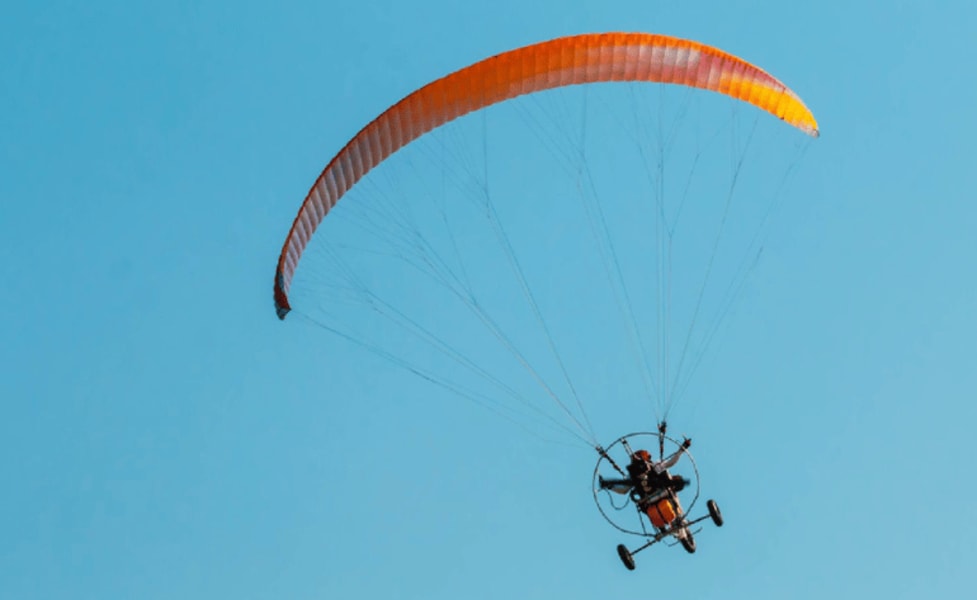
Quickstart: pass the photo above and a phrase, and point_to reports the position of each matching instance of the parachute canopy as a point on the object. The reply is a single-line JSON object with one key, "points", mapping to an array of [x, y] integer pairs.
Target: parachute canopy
{"points": [[580, 59]]}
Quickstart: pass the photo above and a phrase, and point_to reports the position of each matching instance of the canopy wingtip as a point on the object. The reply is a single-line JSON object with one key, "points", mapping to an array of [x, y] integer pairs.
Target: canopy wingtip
{"points": [[282, 307]]}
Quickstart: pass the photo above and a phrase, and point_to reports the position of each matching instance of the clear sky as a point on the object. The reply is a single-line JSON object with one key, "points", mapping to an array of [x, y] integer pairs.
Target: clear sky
{"points": [[165, 436]]}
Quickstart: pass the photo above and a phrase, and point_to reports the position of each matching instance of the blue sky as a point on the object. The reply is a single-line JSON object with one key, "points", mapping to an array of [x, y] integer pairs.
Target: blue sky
{"points": [[164, 435]]}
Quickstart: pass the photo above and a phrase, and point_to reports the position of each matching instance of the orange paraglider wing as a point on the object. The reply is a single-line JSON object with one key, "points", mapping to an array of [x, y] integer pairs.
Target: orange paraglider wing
{"points": [[588, 58]]}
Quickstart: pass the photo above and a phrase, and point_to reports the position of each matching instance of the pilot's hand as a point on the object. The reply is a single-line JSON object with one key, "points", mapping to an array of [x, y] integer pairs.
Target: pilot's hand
{"points": [[686, 443]]}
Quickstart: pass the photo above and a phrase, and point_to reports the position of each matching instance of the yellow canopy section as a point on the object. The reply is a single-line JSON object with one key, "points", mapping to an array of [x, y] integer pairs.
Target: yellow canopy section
{"points": [[588, 58]]}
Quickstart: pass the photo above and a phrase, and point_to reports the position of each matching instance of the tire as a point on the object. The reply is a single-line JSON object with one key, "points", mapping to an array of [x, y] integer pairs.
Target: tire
{"points": [[626, 557], [688, 542], [717, 517]]}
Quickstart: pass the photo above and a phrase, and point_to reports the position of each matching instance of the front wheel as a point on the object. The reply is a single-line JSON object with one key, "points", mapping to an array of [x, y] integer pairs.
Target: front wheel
{"points": [[717, 517], [688, 542], [626, 557]]}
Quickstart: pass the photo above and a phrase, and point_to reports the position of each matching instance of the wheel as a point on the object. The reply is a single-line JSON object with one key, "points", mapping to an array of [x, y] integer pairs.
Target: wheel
{"points": [[688, 542], [626, 556], [717, 517]]}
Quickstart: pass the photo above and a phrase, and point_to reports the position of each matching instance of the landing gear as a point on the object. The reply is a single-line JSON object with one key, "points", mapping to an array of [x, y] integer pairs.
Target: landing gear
{"points": [[680, 529]]}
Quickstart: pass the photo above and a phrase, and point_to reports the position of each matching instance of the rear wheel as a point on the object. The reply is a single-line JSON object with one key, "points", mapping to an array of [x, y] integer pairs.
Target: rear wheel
{"points": [[717, 517], [688, 542], [626, 557]]}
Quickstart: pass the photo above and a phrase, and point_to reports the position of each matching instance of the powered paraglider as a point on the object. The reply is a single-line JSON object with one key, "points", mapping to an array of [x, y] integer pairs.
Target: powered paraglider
{"points": [[456, 208]]}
